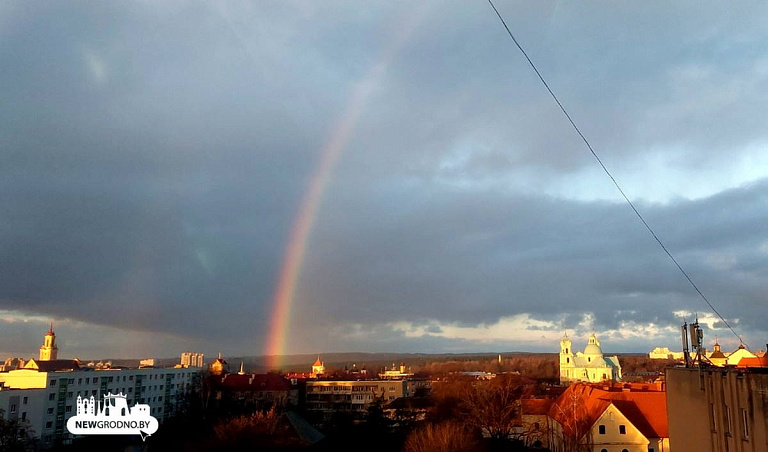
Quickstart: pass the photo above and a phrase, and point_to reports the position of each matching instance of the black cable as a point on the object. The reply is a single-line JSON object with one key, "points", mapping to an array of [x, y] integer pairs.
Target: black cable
{"points": [[594, 154]]}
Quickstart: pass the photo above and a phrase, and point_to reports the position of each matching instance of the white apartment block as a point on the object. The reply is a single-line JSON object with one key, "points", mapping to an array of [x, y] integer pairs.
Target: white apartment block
{"points": [[48, 398]]}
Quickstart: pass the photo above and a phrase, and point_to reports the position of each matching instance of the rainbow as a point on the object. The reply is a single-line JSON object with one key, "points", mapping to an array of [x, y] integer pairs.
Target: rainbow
{"points": [[329, 156]]}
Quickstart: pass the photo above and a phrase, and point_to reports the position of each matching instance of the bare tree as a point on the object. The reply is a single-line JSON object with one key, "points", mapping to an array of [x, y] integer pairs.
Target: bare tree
{"points": [[443, 437], [573, 430], [493, 406]]}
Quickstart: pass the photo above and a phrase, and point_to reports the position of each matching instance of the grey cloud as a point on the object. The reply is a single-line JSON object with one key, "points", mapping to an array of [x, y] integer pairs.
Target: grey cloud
{"points": [[153, 158]]}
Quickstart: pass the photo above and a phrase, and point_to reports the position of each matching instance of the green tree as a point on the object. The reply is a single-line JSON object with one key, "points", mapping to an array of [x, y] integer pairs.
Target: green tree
{"points": [[15, 435]]}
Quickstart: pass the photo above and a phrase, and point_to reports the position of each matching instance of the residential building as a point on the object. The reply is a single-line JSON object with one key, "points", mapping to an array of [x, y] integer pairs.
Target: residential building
{"points": [[617, 418], [257, 391], [589, 366], [192, 359], [719, 409], [665, 353], [355, 396], [45, 392], [531, 428]]}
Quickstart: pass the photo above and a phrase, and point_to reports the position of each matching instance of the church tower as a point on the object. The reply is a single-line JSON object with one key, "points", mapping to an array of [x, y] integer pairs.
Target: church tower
{"points": [[49, 351], [318, 368], [566, 356]]}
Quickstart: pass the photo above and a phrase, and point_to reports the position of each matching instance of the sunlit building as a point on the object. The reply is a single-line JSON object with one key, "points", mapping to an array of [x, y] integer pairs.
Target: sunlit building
{"points": [[49, 351], [616, 418], [588, 366], [191, 359], [45, 392]]}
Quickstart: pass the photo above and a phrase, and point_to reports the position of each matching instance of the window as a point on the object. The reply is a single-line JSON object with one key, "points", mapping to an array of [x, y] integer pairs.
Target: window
{"points": [[68, 409], [623, 429], [51, 396], [79, 381], [744, 423], [88, 381], [70, 381], [48, 424], [624, 450], [567, 360], [25, 400], [95, 380], [53, 382], [601, 429], [727, 421], [712, 422], [603, 450], [24, 416], [50, 411], [650, 449], [13, 408]]}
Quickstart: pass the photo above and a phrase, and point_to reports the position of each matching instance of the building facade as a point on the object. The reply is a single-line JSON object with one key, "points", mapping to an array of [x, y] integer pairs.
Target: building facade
{"points": [[45, 391], [719, 409], [354, 396], [589, 365]]}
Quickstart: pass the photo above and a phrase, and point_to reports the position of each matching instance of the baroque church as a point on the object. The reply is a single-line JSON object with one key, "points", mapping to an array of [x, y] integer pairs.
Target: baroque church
{"points": [[590, 366]]}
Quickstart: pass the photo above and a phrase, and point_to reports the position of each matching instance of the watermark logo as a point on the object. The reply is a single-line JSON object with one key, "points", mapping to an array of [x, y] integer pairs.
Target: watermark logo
{"points": [[111, 417]]}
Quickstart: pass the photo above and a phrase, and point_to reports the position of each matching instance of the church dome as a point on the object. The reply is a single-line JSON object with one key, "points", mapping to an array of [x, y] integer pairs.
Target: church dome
{"points": [[593, 347]]}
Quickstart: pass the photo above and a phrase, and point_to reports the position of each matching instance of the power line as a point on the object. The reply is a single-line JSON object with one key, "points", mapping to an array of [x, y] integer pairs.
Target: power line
{"points": [[618, 187]]}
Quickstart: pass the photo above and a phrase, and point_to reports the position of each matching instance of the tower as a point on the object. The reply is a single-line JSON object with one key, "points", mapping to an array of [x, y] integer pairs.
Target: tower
{"points": [[566, 358], [318, 368], [49, 351]]}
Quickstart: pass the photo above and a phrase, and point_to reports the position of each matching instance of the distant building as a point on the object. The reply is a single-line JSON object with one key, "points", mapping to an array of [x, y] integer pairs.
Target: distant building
{"points": [[631, 418], [149, 362], [192, 359], [665, 353], [395, 373], [49, 351], [589, 366], [737, 355], [717, 357], [218, 366], [257, 391], [12, 364], [318, 368], [355, 396]]}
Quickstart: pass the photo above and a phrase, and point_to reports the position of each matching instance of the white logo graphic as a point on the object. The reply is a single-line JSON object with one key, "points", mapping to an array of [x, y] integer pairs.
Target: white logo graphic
{"points": [[111, 417]]}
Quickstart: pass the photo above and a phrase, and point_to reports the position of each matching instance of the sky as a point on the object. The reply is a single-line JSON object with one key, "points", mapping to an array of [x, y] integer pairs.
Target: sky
{"points": [[155, 158]]}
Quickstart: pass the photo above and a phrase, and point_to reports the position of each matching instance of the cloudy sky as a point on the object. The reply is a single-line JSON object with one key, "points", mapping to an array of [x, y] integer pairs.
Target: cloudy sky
{"points": [[154, 158]]}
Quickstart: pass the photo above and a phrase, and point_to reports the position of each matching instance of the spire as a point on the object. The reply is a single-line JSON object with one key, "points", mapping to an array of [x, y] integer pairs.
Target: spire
{"points": [[50, 330], [241, 369]]}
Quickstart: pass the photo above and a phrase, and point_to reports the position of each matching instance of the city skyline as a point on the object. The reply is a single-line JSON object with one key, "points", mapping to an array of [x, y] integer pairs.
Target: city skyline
{"points": [[252, 177]]}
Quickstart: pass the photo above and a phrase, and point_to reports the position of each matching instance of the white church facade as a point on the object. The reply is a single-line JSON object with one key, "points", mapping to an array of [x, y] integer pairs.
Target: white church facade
{"points": [[588, 366]]}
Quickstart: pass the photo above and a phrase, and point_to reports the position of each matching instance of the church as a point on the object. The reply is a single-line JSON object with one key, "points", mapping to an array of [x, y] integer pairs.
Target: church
{"points": [[590, 366]]}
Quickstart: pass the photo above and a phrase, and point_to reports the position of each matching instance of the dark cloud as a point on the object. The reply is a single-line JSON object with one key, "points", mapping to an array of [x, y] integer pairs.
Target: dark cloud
{"points": [[153, 159]]}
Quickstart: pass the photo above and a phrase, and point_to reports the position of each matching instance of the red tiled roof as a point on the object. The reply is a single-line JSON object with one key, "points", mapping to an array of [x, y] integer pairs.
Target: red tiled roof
{"points": [[646, 410], [761, 361], [536, 406]]}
